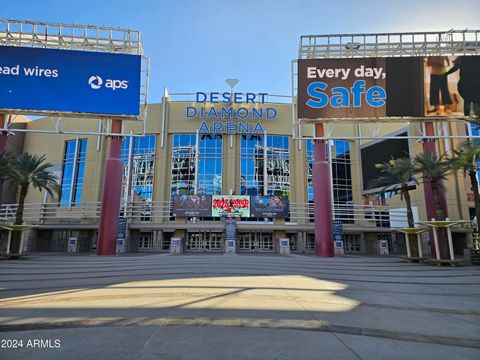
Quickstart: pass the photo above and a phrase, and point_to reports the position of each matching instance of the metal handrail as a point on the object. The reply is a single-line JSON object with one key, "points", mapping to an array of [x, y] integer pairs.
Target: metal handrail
{"points": [[70, 36], [160, 211], [451, 42]]}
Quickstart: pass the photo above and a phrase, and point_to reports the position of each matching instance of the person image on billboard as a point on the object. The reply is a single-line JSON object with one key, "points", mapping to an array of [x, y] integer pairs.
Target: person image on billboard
{"points": [[469, 80], [440, 97]]}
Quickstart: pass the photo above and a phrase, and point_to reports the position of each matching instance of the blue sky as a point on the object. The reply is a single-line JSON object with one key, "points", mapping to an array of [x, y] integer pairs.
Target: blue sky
{"points": [[196, 45]]}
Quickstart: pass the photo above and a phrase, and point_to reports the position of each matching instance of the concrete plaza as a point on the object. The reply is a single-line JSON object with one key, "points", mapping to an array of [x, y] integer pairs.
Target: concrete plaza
{"points": [[237, 307]]}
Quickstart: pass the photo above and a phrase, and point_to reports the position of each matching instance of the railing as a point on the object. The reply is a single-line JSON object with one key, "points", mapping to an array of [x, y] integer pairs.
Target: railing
{"points": [[160, 211], [41, 213], [364, 215], [452, 42], [70, 36]]}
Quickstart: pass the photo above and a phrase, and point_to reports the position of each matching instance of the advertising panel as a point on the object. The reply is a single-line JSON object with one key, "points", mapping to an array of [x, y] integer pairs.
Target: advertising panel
{"points": [[452, 85], [379, 152], [191, 205], [230, 206], [230, 231], [269, 206], [36, 79], [379, 87]]}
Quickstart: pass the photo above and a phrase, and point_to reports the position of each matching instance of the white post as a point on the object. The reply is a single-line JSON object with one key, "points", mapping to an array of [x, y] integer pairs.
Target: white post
{"points": [[407, 242], [450, 242], [9, 241], [435, 239], [20, 249], [420, 247]]}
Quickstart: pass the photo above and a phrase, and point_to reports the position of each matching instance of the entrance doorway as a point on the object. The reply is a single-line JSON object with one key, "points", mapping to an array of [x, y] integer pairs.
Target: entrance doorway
{"points": [[145, 242], [205, 242], [352, 243], [255, 242]]}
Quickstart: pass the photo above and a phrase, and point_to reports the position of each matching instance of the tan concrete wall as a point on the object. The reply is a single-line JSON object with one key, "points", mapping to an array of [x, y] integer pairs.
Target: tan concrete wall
{"points": [[53, 146]]}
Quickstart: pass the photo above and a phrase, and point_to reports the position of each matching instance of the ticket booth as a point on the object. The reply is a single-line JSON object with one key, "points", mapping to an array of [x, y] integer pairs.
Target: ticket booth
{"points": [[72, 246], [284, 246], [383, 247], [339, 247], [176, 245]]}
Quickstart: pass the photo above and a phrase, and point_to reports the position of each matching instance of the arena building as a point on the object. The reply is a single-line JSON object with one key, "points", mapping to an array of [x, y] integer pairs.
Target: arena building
{"points": [[227, 171], [242, 153]]}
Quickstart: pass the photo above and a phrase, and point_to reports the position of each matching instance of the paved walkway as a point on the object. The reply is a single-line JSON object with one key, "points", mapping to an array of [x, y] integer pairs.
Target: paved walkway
{"points": [[229, 307]]}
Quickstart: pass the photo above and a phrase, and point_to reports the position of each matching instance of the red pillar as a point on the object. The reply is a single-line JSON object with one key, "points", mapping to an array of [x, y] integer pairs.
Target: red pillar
{"points": [[111, 192], [322, 202], [429, 146], [3, 134], [3, 143]]}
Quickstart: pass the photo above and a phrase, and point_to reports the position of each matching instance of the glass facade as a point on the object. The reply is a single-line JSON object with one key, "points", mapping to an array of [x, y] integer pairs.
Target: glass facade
{"points": [[183, 164], [138, 156], [192, 174], [264, 165], [475, 129], [252, 164], [278, 165], [72, 172], [341, 171], [210, 153]]}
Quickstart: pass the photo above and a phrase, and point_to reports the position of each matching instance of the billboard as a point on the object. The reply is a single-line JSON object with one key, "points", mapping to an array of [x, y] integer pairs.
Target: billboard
{"points": [[269, 206], [382, 87], [65, 81], [191, 205], [379, 152], [230, 206]]}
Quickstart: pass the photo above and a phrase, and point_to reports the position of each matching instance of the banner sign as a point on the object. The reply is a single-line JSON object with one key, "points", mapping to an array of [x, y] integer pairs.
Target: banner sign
{"points": [[191, 205], [52, 80], [338, 230], [230, 206], [122, 228], [230, 231], [270, 206], [379, 87]]}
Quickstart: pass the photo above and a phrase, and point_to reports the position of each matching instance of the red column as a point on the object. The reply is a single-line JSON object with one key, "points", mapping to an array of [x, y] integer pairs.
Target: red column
{"points": [[3, 134], [111, 192], [3, 143], [429, 146], [322, 202]]}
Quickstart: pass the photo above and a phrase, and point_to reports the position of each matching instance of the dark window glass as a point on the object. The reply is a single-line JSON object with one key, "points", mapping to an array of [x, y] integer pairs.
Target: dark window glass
{"points": [[73, 172]]}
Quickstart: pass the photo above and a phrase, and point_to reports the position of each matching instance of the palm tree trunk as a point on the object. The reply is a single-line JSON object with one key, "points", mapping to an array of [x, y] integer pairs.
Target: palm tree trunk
{"points": [[441, 231], [408, 202], [436, 198], [476, 196], [411, 223], [17, 235], [21, 205]]}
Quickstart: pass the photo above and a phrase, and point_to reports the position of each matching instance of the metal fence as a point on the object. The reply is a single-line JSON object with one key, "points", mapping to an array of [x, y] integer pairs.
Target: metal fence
{"points": [[160, 212], [451, 42]]}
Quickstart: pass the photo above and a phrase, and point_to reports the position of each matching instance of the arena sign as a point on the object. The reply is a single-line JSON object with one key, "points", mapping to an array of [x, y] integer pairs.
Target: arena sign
{"points": [[69, 81], [230, 113], [382, 87]]}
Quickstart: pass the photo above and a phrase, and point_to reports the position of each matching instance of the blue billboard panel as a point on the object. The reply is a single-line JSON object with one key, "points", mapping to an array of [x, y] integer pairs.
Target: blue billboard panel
{"points": [[35, 79]]}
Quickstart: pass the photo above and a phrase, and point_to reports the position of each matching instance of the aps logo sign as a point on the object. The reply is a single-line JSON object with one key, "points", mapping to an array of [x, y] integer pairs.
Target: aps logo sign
{"points": [[96, 82]]}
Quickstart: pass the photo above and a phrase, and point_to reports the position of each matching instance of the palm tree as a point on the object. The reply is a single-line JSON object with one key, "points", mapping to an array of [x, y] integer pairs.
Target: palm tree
{"points": [[397, 172], [434, 170], [25, 170], [467, 158]]}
